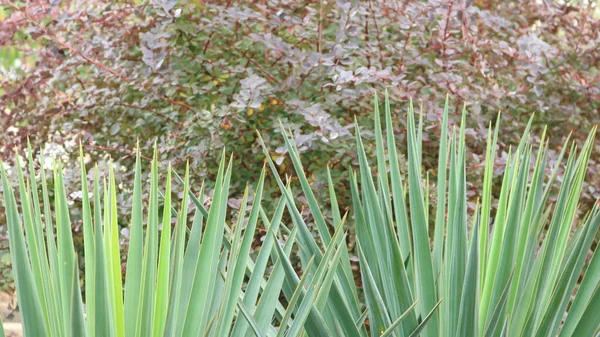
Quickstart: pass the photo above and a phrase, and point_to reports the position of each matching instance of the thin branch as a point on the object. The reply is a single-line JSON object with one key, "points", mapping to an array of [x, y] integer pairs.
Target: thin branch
{"points": [[153, 109], [445, 37], [210, 36], [97, 63], [378, 33], [270, 77], [320, 27], [114, 149]]}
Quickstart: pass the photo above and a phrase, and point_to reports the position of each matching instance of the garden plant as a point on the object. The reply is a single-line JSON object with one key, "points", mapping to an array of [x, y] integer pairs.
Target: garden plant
{"points": [[202, 75], [195, 77], [520, 264]]}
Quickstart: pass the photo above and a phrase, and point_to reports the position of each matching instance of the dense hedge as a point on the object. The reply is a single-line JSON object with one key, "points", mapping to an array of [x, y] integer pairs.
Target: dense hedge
{"points": [[205, 75]]}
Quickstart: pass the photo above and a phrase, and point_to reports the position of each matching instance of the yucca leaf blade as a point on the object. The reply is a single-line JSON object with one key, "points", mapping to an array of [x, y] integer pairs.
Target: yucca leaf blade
{"points": [[161, 303], [197, 314], [423, 264], [134, 254], [24, 282]]}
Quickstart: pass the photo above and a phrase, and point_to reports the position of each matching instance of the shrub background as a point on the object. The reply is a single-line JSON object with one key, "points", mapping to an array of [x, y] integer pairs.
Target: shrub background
{"points": [[199, 76]]}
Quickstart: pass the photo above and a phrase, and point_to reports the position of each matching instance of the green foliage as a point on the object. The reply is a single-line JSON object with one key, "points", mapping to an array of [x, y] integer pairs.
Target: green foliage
{"points": [[202, 75], [510, 271]]}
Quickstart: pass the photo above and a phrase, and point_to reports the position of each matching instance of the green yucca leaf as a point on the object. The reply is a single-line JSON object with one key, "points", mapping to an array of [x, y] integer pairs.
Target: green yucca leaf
{"points": [[335, 210], [134, 255], [553, 313], [78, 327], [267, 304], [111, 237], [27, 295], [321, 280], [523, 250], [249, 319], [396, 323], [540, 216], [381, 239], [423, 264], [325, 287], [49, 258], [89, 249], [210, 276], [68, 269], [162, 284], [196, 200], [197, 314], [312, 201], [286, 320], [378, 315], [497, 320], [398, 193], [35, 237], [305, 237], [505, 259], [456, 237], [229, 297], [315, 325], [344, 306], [375, 232], [585, 303], [486, 201], [494, 250], [344, 272], [237, 269], [190, 263], [149, 258], [588, 325], [425, 321], [440, 217], [176, 273], [2, 333], [217, 296], [491, 289], [257, 277], [467, 313]]}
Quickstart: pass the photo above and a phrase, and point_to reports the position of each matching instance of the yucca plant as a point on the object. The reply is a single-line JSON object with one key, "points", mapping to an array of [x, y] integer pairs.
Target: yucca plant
{"points": [[511, 270], [515, 273]]}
